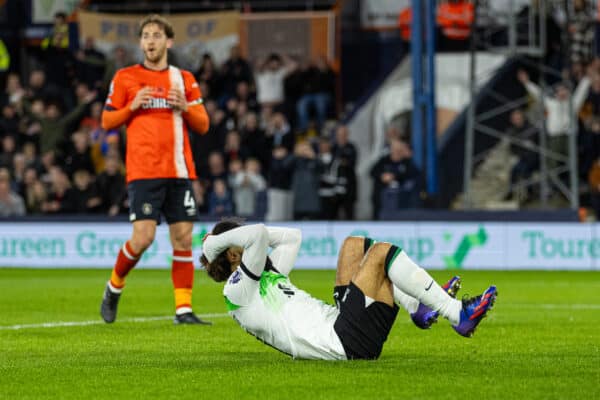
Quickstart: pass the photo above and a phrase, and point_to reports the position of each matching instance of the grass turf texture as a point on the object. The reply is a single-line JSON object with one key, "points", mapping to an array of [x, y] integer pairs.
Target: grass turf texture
{"points": [[542, 340]]}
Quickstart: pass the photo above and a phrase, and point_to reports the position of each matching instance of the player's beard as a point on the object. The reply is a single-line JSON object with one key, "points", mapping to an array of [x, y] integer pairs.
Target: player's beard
{"points": [[156, 55]]}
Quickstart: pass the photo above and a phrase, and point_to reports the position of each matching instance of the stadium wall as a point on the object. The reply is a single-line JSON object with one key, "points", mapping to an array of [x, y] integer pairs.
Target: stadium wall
{"points": [[435, 245]]}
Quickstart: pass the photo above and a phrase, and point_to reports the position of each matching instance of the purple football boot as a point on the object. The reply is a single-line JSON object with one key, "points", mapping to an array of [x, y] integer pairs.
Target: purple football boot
{"points": [[424, 317], [474, 309]]}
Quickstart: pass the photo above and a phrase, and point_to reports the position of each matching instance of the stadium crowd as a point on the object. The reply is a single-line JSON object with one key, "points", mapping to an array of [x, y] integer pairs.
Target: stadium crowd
{"points": [[269, 152], [274, 149]]}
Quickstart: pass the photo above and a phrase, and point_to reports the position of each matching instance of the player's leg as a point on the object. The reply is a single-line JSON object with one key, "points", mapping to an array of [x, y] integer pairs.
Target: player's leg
{"points": [[180, 212], [416, 282], [129, 255], [351, 254], [367, 307], [145, 199]]}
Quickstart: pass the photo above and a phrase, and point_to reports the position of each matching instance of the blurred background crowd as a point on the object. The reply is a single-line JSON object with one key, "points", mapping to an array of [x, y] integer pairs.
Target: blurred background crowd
{"points": [[277, 147]]}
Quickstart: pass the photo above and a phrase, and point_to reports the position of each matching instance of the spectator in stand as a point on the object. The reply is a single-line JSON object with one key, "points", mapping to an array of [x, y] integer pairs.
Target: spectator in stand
{"points": [[233, 149], [594, 182], [14, 91], [54, 125], [305, 182], [9, 149], [110, 187], [18, 171], [216, 168], [86, 198], [254, 140], [79, 157], [558, 113], [47, 162], [61, 198], [235, 70], [523, 145], [244, 95], [34, 191], [455, 18], [90, 64], [29, 125], [581, 32], [9, 123], [31, 157], [231, 118], [344, 152], [317, 93], [328, 167], [209, 75], [59, 35], [11, 204], [245, 182], [278, 133], [588, 118], [279, 196], [269, 76], [219, 200], [199, 189], [395, 171], [37, 86]]}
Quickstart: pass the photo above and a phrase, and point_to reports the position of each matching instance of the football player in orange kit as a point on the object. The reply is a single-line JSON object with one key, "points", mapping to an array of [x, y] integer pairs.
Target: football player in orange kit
{"points": [[157, 101]]}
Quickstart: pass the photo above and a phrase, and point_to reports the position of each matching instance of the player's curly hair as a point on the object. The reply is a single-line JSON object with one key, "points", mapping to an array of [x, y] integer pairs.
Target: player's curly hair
{"points": [[220, 268], [162, 22]]}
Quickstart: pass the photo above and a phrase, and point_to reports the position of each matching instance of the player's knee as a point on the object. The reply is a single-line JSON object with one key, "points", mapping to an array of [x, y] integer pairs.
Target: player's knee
{"points": [[353, 242], [143, 240], [183, 242], [378, 250]]}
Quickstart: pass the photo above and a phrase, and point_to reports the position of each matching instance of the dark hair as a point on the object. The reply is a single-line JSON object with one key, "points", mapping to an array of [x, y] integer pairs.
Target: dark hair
{"points": [[162, 22], [220, 268]]}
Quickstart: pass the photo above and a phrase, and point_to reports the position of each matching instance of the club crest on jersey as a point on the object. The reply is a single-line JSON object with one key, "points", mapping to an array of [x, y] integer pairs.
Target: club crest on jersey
{"points": [[235, 277]]}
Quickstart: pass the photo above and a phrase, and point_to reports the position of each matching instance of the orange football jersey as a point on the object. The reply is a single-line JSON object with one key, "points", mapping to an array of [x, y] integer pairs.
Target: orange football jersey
{"points": [[157, 136]]}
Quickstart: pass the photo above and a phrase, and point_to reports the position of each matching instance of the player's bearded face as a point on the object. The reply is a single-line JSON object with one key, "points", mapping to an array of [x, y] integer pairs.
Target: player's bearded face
{"points": [[154, 43]]}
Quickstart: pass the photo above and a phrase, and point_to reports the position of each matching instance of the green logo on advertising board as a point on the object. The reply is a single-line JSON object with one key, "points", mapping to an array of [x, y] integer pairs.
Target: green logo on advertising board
{"points": [[466, 244]]}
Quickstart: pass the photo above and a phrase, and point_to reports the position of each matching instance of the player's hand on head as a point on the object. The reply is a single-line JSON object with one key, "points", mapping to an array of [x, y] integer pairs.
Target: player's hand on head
{"points": [[177, 99], [142, 97]]}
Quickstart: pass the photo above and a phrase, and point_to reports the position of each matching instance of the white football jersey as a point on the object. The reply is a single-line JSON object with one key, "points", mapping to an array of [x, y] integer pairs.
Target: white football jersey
{"points": [[283, 316], [265, 303]]}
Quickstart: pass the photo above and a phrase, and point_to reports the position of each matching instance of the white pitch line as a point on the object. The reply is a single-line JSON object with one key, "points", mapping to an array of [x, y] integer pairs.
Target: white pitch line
{"points": [[60, 324]]}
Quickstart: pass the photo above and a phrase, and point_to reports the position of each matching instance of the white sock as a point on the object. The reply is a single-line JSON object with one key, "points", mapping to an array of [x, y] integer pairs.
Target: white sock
{"points": [[114, 289], [416, 282], [183, 310], [407, 302]]}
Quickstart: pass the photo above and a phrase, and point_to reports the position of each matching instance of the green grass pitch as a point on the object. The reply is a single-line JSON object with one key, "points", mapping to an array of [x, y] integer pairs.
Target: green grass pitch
{"points": [[541, 341]]}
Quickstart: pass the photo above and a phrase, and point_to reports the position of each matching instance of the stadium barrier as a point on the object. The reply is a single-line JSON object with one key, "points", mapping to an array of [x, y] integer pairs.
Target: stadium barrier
{"points": [[435, 245]]}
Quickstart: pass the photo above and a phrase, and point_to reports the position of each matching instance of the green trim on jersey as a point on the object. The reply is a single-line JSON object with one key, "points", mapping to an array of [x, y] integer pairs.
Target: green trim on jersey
{"points": [[269, 279], [230, 306]]}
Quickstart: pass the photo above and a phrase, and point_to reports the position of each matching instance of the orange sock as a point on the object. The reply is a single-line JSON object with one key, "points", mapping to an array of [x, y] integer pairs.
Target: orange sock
{"points": [[126, 260], [182, 274]]}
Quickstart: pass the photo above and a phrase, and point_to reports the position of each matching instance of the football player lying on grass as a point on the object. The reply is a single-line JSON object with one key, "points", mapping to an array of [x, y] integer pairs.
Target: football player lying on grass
{"points": [[371, 279]]}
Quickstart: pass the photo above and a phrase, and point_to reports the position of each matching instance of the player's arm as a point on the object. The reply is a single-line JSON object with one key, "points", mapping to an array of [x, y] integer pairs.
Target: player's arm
{"points": [[254, 239], [194, 112], [286, 244], [118, 109]]}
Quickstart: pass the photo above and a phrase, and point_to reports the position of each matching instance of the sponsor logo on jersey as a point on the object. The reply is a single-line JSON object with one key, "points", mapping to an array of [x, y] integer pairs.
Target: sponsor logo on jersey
{"points": [[156, 102]]}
